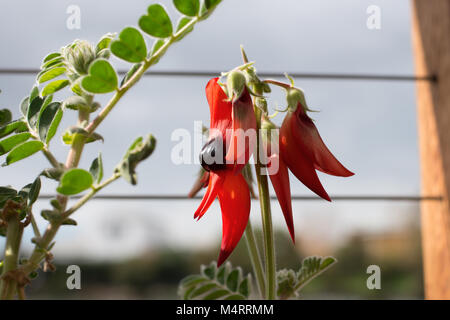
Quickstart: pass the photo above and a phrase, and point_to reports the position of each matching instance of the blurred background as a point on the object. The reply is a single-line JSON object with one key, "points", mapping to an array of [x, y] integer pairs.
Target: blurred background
{"points": [[142, 249]]}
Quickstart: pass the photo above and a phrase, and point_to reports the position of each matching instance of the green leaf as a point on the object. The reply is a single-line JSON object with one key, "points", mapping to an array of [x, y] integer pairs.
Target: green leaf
{"points": [[52, 63], [104, 42], [102, 78], [70, 134], [208, 286], [75, 103], [156, 23], [51, 73], [130, 46], [156, 46], [34, 93], [33, 194], [23, 151], [208, 8], [54, 86], [6, 193], [96, 169], [13, 126], [211, 4], [8, 144], [215, 295], [5, 116], [201, 289], [244, 287], [233, 280], [290, 282], [33, 111], [187, 7], [74, 181], [49, 121], [210, 271], [130, 73], [140, 150], [76, 87], [181, 23], [24, 105], [53, 173], [52, 56]]}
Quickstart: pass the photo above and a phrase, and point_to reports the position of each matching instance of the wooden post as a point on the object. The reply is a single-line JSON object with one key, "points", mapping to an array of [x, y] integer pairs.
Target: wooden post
{"points": [[431, 44]]}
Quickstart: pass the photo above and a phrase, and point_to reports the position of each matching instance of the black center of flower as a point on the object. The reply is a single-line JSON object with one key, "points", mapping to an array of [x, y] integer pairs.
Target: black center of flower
{"points": [[212, 156]]}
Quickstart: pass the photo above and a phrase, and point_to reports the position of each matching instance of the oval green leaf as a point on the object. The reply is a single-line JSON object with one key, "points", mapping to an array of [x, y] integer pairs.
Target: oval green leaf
{"points": [[8, 144], [181, 23], [96, 169], [5, 116], [130, 46], [187, 7], [74, 181], [49, 121], [33, 111], [14, 126], [52, 56], [54, 86], [51, 73], [156, 22], [23, 151], [102, 78]]}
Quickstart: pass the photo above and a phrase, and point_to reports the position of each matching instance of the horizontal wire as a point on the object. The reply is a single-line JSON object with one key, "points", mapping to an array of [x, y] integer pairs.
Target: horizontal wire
{"points": [[184, 197], [319, 76]]}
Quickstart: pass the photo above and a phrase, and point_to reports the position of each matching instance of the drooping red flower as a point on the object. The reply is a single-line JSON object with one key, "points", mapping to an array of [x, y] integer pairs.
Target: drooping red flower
{"points": [[304, 151], [224, 156]]}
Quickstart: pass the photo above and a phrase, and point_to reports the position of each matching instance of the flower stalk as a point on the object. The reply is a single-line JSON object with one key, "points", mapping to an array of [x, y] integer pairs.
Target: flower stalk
{"points": [[255, 258], [266, 214]]}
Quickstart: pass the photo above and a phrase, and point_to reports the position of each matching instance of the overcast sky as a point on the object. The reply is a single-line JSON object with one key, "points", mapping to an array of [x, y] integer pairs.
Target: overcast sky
{"points": [[369, 125]]}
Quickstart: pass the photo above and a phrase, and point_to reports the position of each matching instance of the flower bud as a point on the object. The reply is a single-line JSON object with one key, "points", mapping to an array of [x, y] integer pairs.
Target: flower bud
{"points": [[235, 84], [295, 96], [79, 56]]}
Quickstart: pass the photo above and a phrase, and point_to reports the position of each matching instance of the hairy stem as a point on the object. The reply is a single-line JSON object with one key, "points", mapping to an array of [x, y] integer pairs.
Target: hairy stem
{"points": [[255, 258], [266, 215], [14, 232], [51, 158]]}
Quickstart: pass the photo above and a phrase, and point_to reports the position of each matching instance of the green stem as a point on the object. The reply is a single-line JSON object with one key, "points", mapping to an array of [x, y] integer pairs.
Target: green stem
{"points": [[255, 258], [51, 158], [266, 215], [13, 238]]}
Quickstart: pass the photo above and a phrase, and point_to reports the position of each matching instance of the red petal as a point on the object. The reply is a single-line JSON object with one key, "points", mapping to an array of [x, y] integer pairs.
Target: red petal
{"points": [[280, 182], [298, 161], [243, 137], [308, 139], [214, 185], [220, 109], [234, 197]]}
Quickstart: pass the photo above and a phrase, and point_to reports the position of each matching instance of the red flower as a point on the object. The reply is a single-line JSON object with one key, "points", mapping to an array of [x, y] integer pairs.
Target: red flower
{"points": [[304, 152], [224, 158]]}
